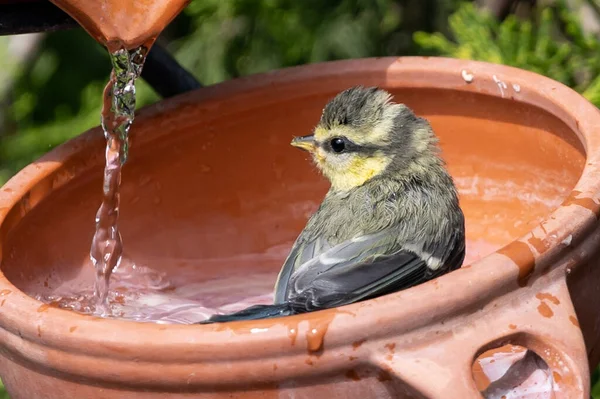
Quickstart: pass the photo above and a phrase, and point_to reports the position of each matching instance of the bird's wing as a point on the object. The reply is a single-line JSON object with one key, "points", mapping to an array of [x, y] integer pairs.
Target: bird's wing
{"points": [[355, 270], [302, 251], [255, 312]]}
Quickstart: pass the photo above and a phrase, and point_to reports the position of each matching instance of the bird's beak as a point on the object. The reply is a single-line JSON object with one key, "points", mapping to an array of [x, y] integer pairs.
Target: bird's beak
{"points": [[306, 143]]}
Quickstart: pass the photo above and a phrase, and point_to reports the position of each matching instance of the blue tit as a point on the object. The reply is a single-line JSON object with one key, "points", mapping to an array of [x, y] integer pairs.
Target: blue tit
{"points": [[391, 219]]}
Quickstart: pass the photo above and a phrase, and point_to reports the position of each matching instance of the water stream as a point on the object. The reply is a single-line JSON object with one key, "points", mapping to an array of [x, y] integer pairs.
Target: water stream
{"points": [[124, 288], [118, 112]]}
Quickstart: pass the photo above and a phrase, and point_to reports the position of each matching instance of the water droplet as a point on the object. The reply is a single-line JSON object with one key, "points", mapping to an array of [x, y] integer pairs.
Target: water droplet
{"points": [[467, 76], [516, 87], [501, 85], [567, 241]]}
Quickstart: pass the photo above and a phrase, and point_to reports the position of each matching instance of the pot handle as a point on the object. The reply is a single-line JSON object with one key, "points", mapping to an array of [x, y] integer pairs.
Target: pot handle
{"points": [[540, 319]]}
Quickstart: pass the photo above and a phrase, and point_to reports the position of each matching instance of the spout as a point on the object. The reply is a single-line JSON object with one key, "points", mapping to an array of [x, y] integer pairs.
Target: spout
{"points": [[123, 24]]}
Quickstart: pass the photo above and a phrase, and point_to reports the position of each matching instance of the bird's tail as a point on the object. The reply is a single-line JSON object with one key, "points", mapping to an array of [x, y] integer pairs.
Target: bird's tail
{"points": [[255, 312]]}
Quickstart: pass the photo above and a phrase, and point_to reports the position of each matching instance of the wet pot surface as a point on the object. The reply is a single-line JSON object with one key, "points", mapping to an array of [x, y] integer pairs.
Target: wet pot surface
{"points": [[213, 192]]}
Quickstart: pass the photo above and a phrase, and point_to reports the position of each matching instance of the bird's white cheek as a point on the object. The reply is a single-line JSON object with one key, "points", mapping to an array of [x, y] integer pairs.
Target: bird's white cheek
{"points": [[340, 162], [328, 161]]}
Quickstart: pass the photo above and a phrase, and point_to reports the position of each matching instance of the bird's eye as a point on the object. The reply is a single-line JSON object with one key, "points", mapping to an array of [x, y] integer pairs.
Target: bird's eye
{"points": [[338, 144]]}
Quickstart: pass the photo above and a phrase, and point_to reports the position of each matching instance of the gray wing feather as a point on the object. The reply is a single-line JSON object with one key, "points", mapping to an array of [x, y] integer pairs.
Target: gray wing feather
{"points": [[302, 252], [356, 269]]}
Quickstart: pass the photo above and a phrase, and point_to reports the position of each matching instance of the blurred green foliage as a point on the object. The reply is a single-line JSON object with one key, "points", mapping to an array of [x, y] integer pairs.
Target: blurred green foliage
{"points": [[552, 44], [57, 93], [596, 384], [55, 97]]}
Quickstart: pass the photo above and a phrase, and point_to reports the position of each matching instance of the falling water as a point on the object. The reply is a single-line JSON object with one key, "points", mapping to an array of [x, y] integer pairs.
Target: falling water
{"points": [[138, 292], [117, 116]]}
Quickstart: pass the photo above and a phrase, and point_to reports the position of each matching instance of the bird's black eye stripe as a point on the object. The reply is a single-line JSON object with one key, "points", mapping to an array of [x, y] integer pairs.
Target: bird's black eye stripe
{"points": [[340, 144]]}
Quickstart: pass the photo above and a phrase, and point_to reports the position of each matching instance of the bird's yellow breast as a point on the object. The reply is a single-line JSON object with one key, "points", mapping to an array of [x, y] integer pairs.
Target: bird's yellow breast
{"points": [[359, 170]]}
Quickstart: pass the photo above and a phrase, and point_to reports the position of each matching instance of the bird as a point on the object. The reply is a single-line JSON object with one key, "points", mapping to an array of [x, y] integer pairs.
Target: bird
{"points": [[390, 220]]}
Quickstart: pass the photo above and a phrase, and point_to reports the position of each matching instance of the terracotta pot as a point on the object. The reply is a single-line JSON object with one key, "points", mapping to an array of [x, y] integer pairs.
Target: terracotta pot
{"points": [[524, 151], [116, 23]]}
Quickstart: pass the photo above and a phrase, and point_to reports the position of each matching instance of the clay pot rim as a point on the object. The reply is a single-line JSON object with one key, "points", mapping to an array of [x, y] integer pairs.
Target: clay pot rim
{"points": [[495, 273]]}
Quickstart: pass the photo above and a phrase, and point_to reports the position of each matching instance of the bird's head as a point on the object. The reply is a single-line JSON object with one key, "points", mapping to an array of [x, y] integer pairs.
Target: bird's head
{"points": [[362, 134]]}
